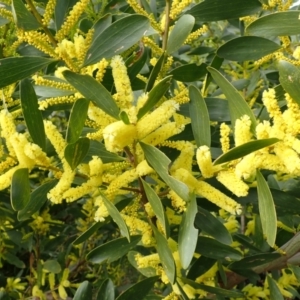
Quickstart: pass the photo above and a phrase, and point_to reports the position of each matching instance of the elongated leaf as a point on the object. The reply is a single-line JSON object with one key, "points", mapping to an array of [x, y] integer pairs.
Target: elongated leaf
{"points": [[216, 64], [213, 249], [139, 290], [238, 107], [112, 250], [275, 293], [189, 72], [32, 115], [165, 255], [20, 189], [106, 291], [88, 233], [247, 48], [266, 209], [188, 234], [199, 118], [75, 153], [244, 149], [101, 25], [289, 79], [211, 225], [13, 260], [200, 266], [252, 261], [114, 213], [13, 69], [180, 32], [222, 10], [183, 294], [155, 95], [94, 91], [157, 206], [37, 199], [76, 120], [84, 291], [117, 38], [276, 24], [154, 72], [23, 18], [160, 163]]}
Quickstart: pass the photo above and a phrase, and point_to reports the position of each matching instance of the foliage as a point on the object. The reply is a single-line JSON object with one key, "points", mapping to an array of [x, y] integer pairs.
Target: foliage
{"points": [[149, 149]]}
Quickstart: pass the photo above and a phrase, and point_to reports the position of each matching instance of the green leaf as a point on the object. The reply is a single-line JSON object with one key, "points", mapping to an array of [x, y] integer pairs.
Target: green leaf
{"points": [[52, 265], [155, 95], [32, 115], [13, 69], [13, 260], [211, 225], [238, 107], [160, 163], [200, 266], [157, 206], [147, 272], [103, 23], [245, 149], [214, 249], [124, 117], [275, 293], [222, 10], [189, 72], [20, 189], [23, 18], [289, 77], [112, 250], [247, 48], [277, 24], [106, 291], [266, 209], [76, 121], [117, 38], [188, 234], [153, 75], [216, 64], [37, 199], [84, 291], [75, 153], [139, 290], [165, 255], [88, 233], [252, 261], [114, 213], [183, 27], [199, 117], [94, 91]]}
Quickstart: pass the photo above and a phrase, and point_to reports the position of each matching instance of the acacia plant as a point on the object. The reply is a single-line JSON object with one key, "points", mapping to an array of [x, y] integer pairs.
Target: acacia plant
{"points": [[149, 149]]}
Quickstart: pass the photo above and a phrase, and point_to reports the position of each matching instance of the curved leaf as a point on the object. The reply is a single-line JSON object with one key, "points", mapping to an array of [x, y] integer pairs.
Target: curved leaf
{"points": [[84, 291], [13, 69], [155, 95], [266, 209], [32, 115], [88, 233], [112, 250], [276, 24], [155, 71], [94, 91], [189, 72], [188, 234], [75, 153], [20, 189], [77, 119], [117, 38], [103, 23], [275, 293], [244, 149], [199, 118], [180, 32], [247, 48], [106, 291], [238, 107], [222, 10]]}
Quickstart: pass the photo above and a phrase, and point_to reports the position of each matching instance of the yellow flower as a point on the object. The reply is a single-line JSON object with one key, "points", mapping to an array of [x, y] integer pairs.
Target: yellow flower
{"points": [[242, 133], [204, 162]]}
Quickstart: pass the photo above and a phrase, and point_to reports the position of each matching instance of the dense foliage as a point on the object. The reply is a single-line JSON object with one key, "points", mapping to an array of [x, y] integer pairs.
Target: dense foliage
{"points": [[149, 149]]}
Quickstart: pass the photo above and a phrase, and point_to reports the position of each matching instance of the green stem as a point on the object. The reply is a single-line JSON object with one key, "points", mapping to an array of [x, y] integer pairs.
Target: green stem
{"points": [[39, 19], [167, 25]]}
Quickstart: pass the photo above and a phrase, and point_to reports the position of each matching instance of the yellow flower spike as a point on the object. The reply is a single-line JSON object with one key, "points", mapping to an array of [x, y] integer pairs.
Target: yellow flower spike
{"points": [[156, 50], [204, 161], [233, 183], [35, 153], [177, 7], [263, 130], [177, 202], [194, 35], [224, 132], [72, 19], [8, 128], [62, 292], [39, 80], [242, 133], [119, 135], [44, 104], [49, 10], [36, 292], [51, 279], [154, 119]]}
